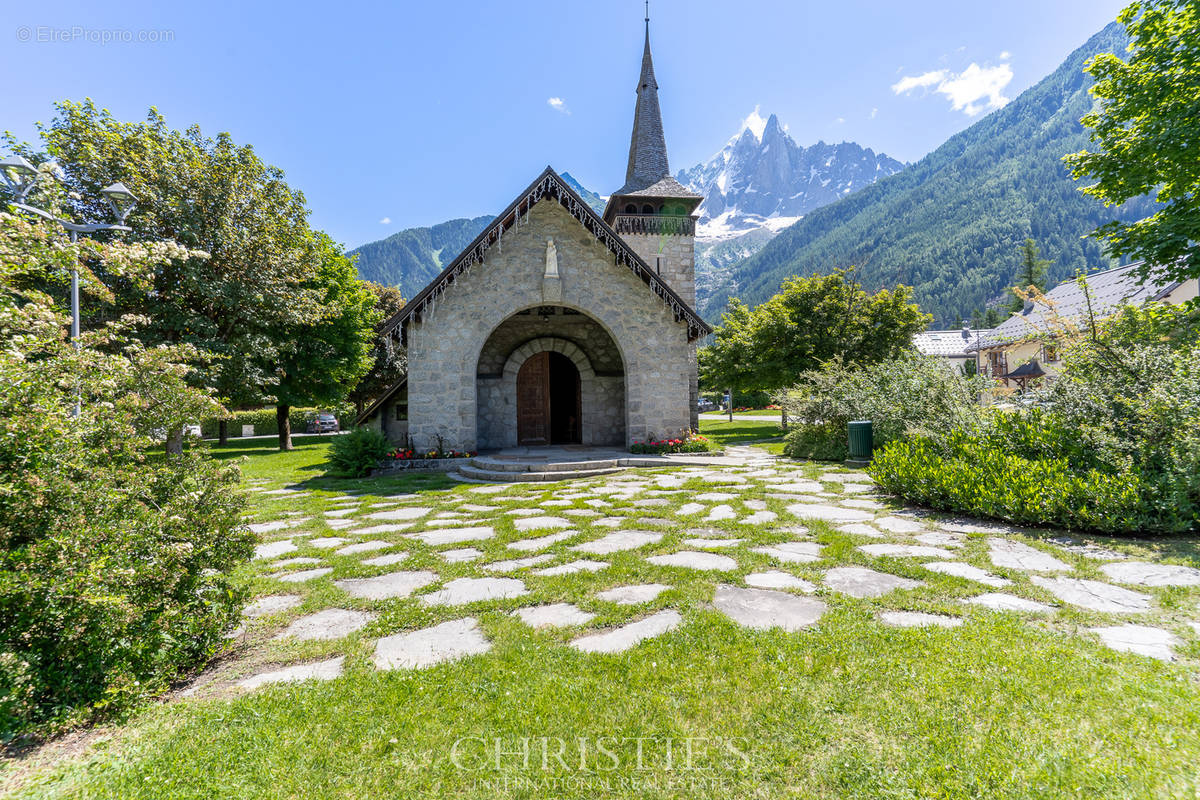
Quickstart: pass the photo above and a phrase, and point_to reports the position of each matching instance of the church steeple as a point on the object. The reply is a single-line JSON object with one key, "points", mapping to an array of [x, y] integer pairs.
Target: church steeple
{"points": [[647, 146]]}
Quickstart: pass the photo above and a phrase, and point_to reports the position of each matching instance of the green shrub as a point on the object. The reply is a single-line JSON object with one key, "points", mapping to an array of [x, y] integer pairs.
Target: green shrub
{"points": [[909, 393], [358, 452], [973, 475], [114, 557]]}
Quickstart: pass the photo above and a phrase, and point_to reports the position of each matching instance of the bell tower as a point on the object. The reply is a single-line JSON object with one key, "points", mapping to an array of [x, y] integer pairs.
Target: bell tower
{"points": [[653, 212]]}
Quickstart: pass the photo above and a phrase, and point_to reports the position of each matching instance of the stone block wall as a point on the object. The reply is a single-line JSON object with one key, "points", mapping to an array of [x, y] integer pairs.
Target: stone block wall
{"points": [[446, 345], [678, 260]]}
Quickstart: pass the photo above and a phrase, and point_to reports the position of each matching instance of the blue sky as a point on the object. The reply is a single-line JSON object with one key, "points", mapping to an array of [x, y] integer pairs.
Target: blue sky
{"points": [[419, 112]]}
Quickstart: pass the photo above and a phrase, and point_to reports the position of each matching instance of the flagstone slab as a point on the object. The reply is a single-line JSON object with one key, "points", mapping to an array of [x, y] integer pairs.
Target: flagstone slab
{"points": [[792, 552], [917, 619], [339, 524], [274, 549], [777, 579], [474, 590], [487, 489], [620, 639], [1094, 595], [998, 601], [292, 562], [828, 513], [385, 587], [341, 512], [542, 542], [1140, 639], [687, 509], [862, 582], [654, 521], [556, 504], [452, 523], [858, 502], [634, 594], [905, 551], [304, 575], [268, 527], [651, 502], [375, 530], [364, 547], [522, 512], [596, 502], [571, 567], [327, 542], [721, 512], [320, 671], [557, 615], [424, 648], [582, 512], [385, 561], [706, 544], [454, 535], [332, 623], [271, 604], [1017, 555], [610, 522], [692, 559], [715, 497], [972, 573], [857, 488], [514, 564], [401, 514], [618, 541], [475, 508], [759, 518], [861, 529], [761, 609], [896, 524], [461, 554], [540, 523], [937, 539], [799, 487], [1143, 574]]}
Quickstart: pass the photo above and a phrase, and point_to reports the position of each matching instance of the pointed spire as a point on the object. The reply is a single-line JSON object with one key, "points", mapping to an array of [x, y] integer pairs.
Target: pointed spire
{"points": [[648, 146]]}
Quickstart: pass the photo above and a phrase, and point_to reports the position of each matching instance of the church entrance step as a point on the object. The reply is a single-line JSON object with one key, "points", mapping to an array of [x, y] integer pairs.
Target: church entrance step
{"points": [[542, 472]]}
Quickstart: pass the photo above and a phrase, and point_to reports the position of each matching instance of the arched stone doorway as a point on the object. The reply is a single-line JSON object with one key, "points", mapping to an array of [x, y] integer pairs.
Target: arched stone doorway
{"points": [[550, 375], [548, 400]]}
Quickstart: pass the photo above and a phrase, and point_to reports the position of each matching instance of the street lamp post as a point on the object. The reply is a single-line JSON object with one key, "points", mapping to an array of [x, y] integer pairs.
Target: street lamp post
{"points": [[21, 177]]}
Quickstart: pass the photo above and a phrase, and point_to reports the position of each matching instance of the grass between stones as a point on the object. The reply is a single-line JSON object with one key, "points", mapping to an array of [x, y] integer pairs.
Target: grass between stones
{"points": [[1003, 705]]}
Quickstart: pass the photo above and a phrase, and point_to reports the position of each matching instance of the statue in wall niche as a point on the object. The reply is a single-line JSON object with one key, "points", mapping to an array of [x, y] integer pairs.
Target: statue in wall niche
{"points": [[551, 259]]}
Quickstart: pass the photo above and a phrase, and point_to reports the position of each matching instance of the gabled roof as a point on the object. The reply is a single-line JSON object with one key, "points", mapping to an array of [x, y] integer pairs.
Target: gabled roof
{"points": [[947, 343], [388, 394], [547, 185], [1108, 291]]}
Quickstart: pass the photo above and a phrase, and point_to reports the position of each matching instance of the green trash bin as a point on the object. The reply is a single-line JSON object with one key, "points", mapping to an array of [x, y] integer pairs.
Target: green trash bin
{"points": [[861, 445]]}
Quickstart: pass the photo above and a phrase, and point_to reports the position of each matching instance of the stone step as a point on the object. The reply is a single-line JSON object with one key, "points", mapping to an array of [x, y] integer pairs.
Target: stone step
{"points": [[493, 464], [474, 473]]}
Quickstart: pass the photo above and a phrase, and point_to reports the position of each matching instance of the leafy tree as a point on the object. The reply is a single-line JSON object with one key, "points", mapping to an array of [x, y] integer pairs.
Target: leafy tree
{"points": [[810, 321], [319, 363], [390, 359], [1145, 127], [246, 286], [1030, 276]]}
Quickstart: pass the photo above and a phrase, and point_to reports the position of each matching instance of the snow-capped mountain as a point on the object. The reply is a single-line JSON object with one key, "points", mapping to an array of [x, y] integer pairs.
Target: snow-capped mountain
{"points": [[762, 178]]}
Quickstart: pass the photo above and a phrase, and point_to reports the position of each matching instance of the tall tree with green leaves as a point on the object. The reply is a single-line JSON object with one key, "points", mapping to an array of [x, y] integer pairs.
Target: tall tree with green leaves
{"points": [[321, 362], [1145, 128], [390, 360], [1031, 275], [210, 195], [810, 321]]}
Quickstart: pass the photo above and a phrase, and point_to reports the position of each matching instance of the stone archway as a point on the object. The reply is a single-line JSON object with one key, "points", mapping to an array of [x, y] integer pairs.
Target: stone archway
{"points": [[548, 400]]}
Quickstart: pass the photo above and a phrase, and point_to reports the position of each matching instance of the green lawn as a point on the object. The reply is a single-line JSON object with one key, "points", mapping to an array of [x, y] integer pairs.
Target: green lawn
{"points": [[1005, 706], [761, 412], [739, 431]]}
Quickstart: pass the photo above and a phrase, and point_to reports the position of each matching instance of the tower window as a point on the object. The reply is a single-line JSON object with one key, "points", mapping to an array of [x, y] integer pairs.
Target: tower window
{"points": [[630, 208], [659, 261], [647, 209]]}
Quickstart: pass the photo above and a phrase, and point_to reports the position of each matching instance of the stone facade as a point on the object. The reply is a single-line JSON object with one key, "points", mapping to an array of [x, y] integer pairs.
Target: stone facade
{"points": [[461, 350]]}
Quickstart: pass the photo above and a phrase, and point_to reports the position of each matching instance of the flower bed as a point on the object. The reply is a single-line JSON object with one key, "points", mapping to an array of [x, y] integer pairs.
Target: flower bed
{"points": [[690, 443], [429, 455]]}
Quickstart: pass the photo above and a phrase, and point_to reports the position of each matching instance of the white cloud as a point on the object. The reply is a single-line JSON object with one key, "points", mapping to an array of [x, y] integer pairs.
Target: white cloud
{"points": [[971, 91], [874, 113], [840, 120], [558, 104], [911, 82], [385, 221], [1005, 55], [755, 123]]}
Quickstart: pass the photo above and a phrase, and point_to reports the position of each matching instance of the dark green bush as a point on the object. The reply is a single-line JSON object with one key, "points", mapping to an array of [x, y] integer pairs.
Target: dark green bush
{"points": [[819, 441], [266, 424], [974, 475], [358, 452]]}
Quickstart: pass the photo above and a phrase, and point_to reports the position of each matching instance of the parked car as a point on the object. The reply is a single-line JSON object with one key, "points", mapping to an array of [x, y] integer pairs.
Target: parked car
{"points": [[706, 405], [324, 423]]}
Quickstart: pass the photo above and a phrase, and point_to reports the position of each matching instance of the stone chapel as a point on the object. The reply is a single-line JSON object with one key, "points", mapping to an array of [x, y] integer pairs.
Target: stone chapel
{"points": [[559, 326]]}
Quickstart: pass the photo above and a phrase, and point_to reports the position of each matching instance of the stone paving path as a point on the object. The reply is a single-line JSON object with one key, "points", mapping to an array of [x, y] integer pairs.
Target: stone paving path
{"points": [[762, 543]]}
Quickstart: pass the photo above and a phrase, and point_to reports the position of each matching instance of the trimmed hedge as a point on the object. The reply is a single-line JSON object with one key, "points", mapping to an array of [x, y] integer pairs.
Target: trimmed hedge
{"points": [[264, 422], [974, 476]]}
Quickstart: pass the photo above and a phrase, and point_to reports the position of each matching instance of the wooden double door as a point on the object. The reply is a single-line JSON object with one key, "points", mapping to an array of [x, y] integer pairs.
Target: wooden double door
{"points": [[548, 402]]}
